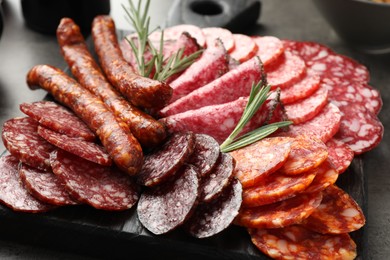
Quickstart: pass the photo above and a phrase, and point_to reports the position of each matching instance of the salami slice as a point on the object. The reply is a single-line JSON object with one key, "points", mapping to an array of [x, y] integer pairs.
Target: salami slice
{"points": [[45, 186], [286, 73], [306, 153], [212, 218], [326, 176], [308, 108], [205, 155], [297, 242], [164, 162], [212, 64], [339, 154], [302, 89], [280, 214], [12, 192], [338, 213], [57, 118], [226, 36], [21, 139], [173, 33], [308, 51], [258, 160], [245, 47], [230, 86], [277, 187], [270, 49], [215, 183], [105, 188], [164, 208]]}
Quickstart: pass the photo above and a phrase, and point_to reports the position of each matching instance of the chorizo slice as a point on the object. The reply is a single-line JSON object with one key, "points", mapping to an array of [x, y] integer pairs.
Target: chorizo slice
{"points": [[212, 218], [12, 192], [116, 137], [20, 137], [163, 208], [163, 163], [105, 188], [297, 242], [57, 118], [140, 91], [280, 214], [338, 213], [327, 175]]}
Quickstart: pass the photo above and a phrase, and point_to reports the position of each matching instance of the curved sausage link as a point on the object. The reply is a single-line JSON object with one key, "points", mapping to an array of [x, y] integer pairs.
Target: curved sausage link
{"points": [[115, 135], [141, 91], [144, 127]]}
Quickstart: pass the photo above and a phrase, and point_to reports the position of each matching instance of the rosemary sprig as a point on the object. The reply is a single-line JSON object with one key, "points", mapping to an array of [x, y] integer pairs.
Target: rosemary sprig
{"points": [[162, 68]]}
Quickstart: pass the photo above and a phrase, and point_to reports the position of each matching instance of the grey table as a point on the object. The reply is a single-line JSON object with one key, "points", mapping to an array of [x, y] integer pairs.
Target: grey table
{"points": [[21, 48]]}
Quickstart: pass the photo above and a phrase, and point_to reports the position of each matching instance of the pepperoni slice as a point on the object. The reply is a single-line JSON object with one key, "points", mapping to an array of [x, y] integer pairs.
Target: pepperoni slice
{"points": [[308, 108], [340, 154], [105, 188], [270, 49], [302, 89], [86, 150], [306, 154], [245, 47], [338, 213], [212, 218], [280, 214], [20, 137], [326, 176], [297, 242], [45, 186], [163, 208], [277, 187], [226, 36], [12, 192], [57, 118], [256, 161]]}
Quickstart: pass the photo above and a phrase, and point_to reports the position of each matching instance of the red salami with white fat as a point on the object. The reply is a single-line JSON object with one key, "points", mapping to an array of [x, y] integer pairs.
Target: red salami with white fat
{"points": [[230, 86], [302, 89], [280, 214], [20, 137], [45, 186], [57, 118], [12, 192], [105, 188], [212, 64], [338, 213], [163, 208], [205, 154], [326, 175], [245, 47], [163, 163], [340, 154], [270, 49], [212, 218], [219, 178], [86, 150], [226, 36], [297, 242], [309, 51]]}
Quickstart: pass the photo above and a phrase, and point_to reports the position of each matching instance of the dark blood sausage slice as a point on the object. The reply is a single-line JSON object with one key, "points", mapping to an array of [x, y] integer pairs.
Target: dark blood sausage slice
{"points": [[212, 64], [148, 131], [87, 150], [140, 91], [22, 140], [45, 186], [105, 188], [205, 154], [212, 218], [230, 86], [306, 153], [164, 162], [297, 242], [115, 136], [326, 175], [277, 187], [270, 49], [163, 208], [12, 192], [260, 159], [338, 213], [340, 154], [226, 36], [280, 214], [302, 89], [57, 118], [215, 183]]}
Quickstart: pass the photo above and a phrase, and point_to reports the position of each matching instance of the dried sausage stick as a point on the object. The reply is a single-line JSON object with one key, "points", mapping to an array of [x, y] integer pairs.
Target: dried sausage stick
{"points": [[115, 135], [141, 91], [145, 128]]}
